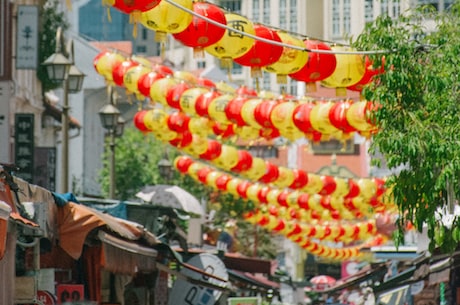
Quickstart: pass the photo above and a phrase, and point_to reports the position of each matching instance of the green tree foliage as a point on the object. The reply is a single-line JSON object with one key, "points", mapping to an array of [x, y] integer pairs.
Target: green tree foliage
{"points": [[51, 19], [418, 114]]}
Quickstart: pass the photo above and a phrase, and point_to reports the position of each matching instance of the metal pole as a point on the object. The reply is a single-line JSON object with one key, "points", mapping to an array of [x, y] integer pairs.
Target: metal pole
{"points": [[112, 163], [112, 150], [65, 137]]}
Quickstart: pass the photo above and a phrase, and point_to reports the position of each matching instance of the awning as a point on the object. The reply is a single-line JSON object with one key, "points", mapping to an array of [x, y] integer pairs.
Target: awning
{"points": [[56, 113], [126, 257], [76, 221], [252, 281], [396, 296]]}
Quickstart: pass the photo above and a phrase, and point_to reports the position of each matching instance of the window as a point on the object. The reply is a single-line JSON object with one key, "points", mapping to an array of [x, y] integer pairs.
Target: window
{"points": [[369, 11], [144, 34], [141, 49], [255, 10], [267, 12], [336, 18], [384, 7], [282, 14], [201, 64], [232, 5], [262, 151], [293, 16], [346, 16]]}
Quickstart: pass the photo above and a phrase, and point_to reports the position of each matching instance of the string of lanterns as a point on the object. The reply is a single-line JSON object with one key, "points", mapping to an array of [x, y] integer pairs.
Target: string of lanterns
{"points": [[231, 37]]}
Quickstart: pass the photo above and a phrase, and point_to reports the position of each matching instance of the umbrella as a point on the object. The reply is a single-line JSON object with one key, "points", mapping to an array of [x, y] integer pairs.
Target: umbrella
{"points": [[171, 196], [322, 281]]}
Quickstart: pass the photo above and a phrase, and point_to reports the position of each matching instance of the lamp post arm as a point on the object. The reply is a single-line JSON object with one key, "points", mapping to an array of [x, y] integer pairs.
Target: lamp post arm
{"points": [[59, 39]]}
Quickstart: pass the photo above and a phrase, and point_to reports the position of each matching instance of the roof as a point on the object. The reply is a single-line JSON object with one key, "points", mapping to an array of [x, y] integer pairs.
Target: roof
{"points": [[56, 113]]}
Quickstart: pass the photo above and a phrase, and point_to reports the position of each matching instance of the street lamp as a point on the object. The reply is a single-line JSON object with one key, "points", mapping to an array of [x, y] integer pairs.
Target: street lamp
{"points": [[61, 69], [165, 168], [114, 123]]}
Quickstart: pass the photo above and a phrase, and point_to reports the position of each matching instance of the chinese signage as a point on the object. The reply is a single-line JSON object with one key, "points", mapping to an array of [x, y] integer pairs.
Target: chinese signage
{"points": [[27, 37], [24, 145]]}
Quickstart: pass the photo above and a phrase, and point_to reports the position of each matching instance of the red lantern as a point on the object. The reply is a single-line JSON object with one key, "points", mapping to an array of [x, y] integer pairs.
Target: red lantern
{"points": [[262, 113], [282, 198], [163, 70], [183, 139], [319, 65], [203, 101], [269, 133], [244, 161], [338, 116], [105, 62], [242, 188], [145, 82], [213, 151], [233, 110], [301, 118], [271, 173], [261, 53], [182, 164], [200, 33], [205, 82], [174, 94], [203, 173], [120, 69], [302, 201], [178, 122], [262, 194], [224, 131], [139, 121], [300, 179], [128, 6], [369, 74], [221, 182], [329, 185]]}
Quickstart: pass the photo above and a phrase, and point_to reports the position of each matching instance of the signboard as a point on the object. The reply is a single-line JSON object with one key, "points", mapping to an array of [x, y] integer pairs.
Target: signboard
{"points": [[244, 301], [24, 145], [27, 37], [185, 293]]}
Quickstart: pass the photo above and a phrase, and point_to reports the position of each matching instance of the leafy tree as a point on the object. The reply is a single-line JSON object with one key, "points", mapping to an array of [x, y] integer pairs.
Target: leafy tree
{"points": [[51, 19], [418, 115], [137, 156]]}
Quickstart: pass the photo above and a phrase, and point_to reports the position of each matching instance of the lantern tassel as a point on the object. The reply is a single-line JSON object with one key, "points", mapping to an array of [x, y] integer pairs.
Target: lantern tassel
{"points": [[198, 52], [311, 87], [281, 78]]}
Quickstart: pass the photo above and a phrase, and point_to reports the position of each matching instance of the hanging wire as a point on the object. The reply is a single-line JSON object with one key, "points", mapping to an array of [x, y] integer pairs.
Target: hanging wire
{"points": [[271, 41]]}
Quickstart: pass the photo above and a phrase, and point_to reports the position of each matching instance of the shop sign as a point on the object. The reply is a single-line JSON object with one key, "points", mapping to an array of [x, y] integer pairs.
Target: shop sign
{"points": [[24, 145], [244, 301], [27, 37]]}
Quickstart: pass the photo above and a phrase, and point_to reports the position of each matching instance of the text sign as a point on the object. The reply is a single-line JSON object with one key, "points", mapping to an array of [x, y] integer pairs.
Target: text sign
{"points": [[24, 145], [27, 37]]}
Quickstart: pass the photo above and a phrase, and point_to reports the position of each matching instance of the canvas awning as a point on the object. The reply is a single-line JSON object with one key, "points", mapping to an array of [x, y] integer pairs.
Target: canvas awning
{"points": [[126, 257], [76, 221], [253, 282]]}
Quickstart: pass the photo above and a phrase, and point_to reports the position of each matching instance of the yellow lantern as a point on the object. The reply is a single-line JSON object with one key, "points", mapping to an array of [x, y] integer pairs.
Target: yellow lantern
{"points": [[131, 77], [314, 184], [193, 170], [285, 177], [216, 108], [159, 89], [272, 196], [319, 118], [105, 62], [167, 18], [233, 44], [232, 186], [188, 99], [357, 116], [185, 76], [200, 126], [349, 70], [197, 147], [282, 118], [247, 112], [291, 60], [247, 133], [257, 169], [253, 191], [156, 119], [228, 157]]}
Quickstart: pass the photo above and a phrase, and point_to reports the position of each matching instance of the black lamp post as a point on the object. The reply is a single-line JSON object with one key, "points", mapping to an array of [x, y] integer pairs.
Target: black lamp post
{"points": [[61, 69], [165, 168], [114, 123]]}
